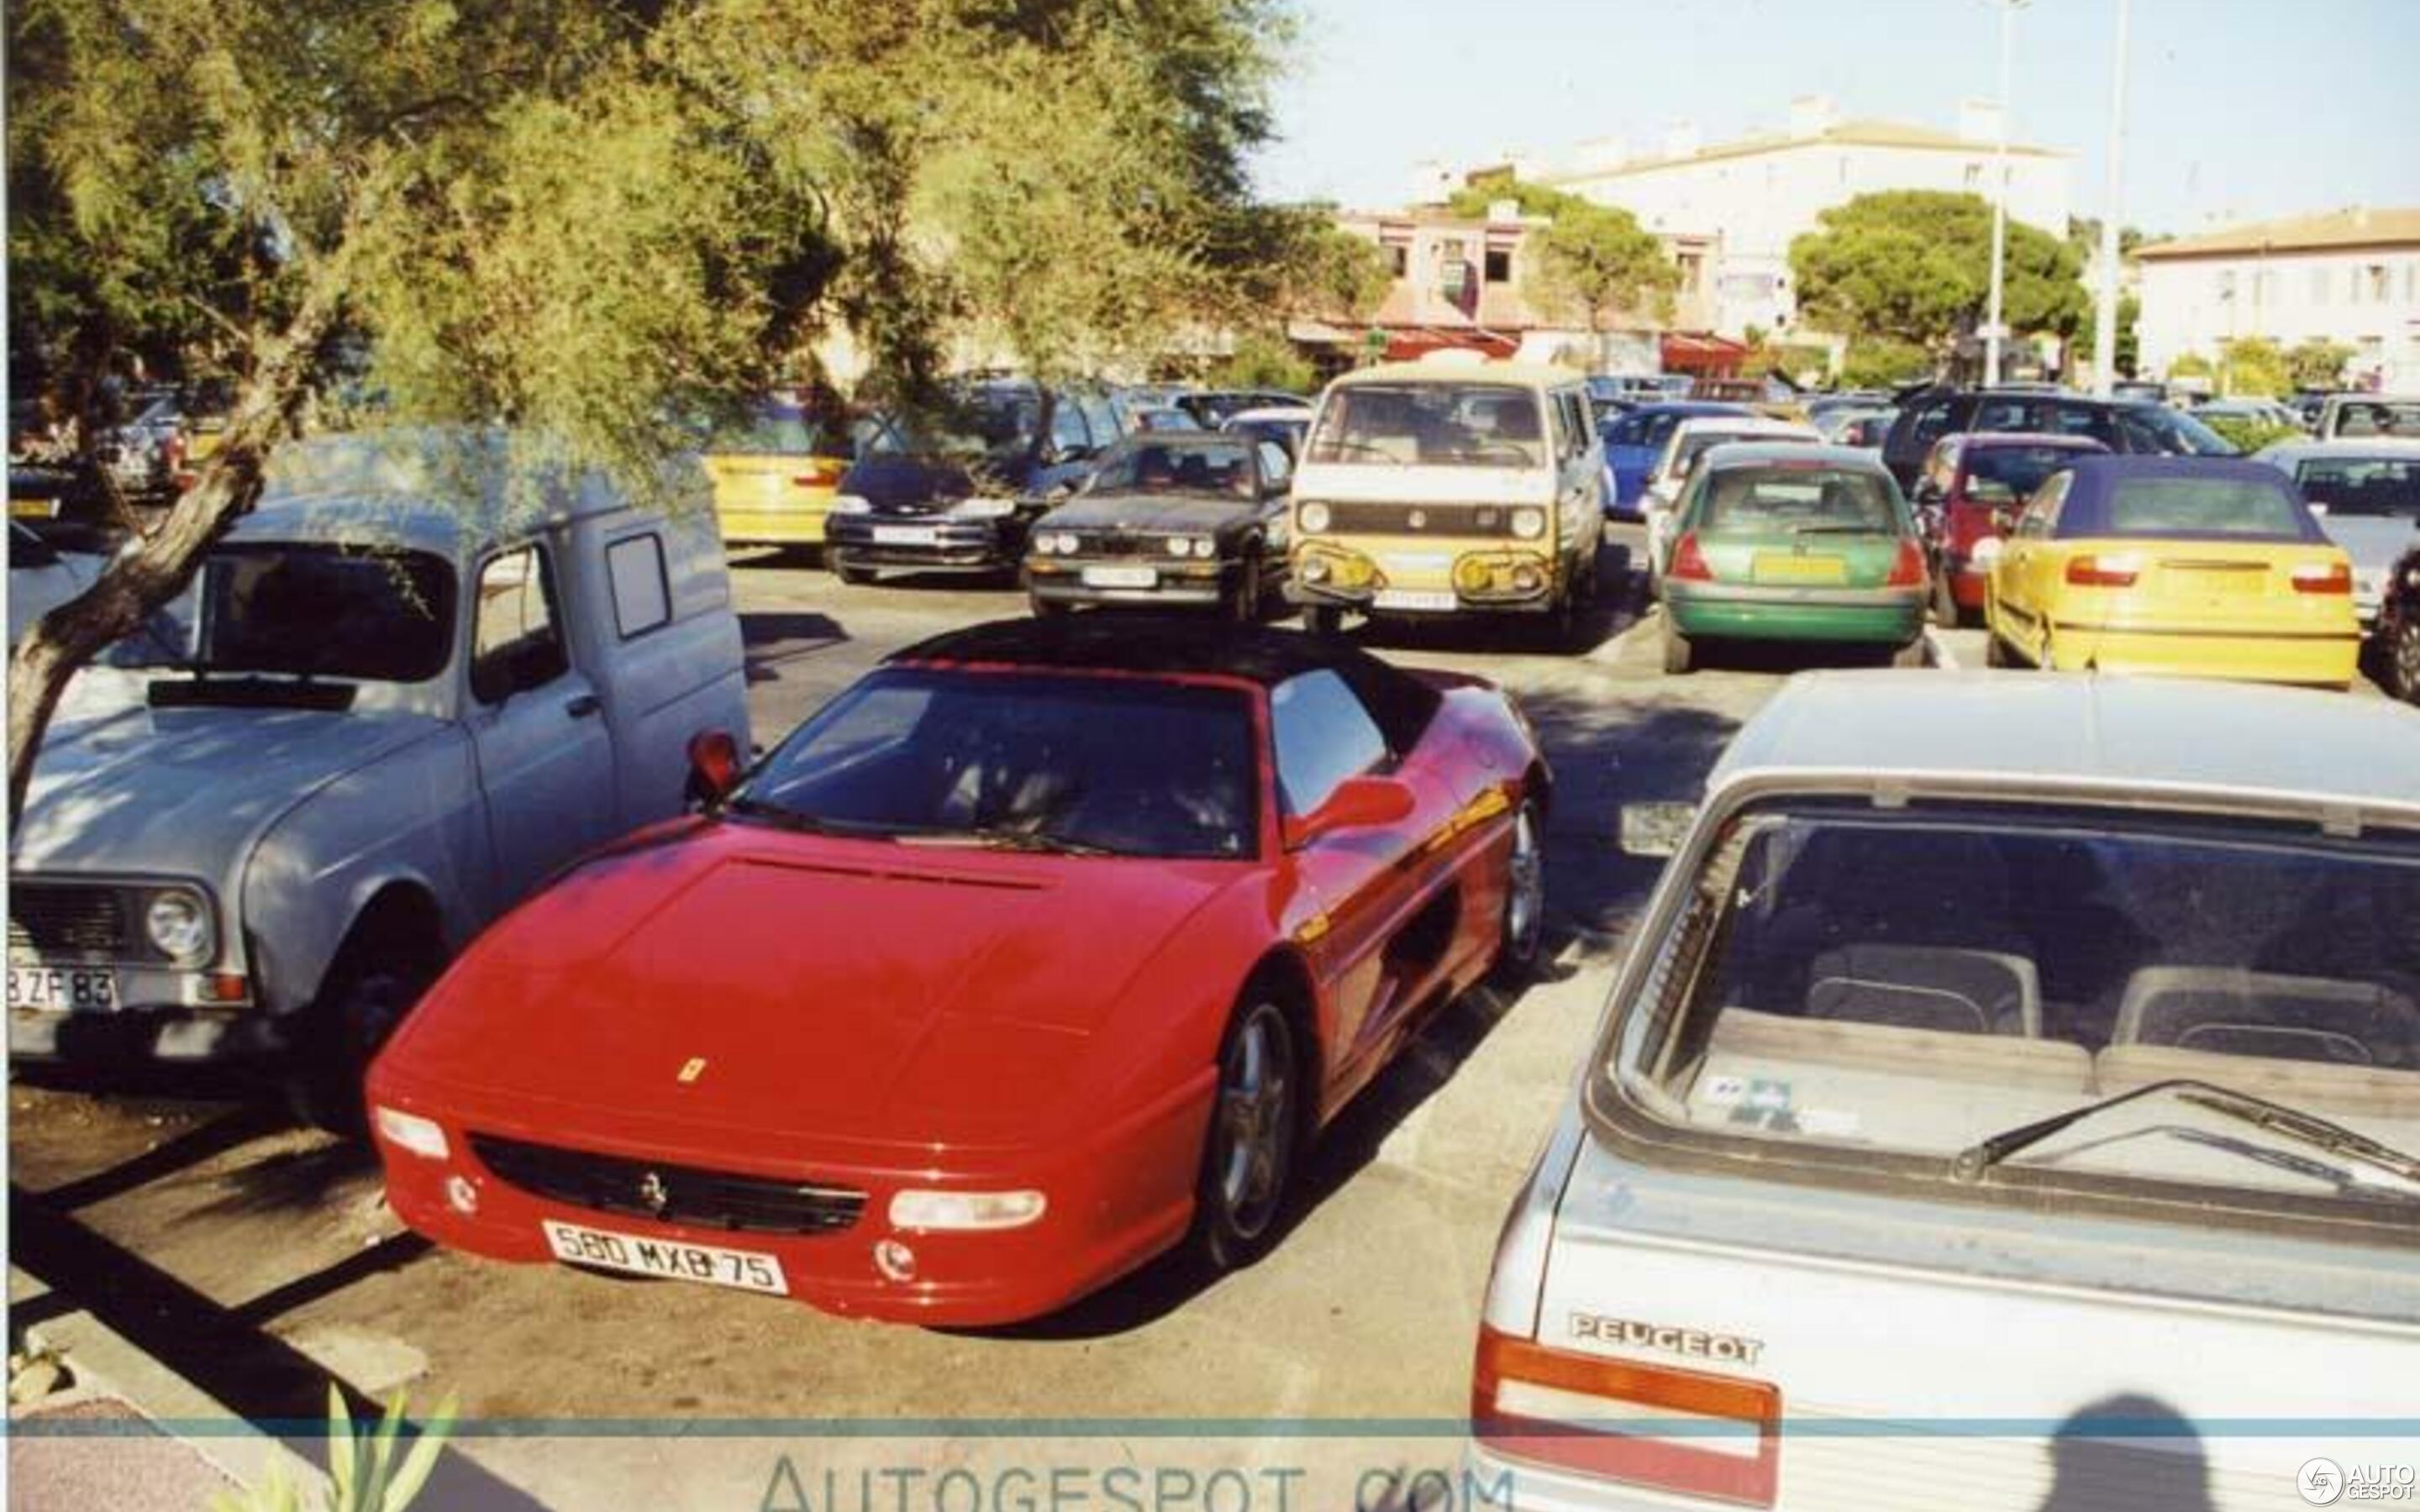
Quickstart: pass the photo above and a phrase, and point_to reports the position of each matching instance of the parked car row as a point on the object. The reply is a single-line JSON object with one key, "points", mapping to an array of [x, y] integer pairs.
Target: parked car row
{"points": [[2039, 1051]]}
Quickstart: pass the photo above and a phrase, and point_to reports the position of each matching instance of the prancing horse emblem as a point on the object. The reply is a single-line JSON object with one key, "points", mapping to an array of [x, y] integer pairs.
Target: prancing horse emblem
{"points": [[652, 1192], [693, 1068]]}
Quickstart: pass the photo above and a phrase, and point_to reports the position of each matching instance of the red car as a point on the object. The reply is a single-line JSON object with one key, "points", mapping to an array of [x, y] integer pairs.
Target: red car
{"points": [[1043, 948], [1972, 489]]}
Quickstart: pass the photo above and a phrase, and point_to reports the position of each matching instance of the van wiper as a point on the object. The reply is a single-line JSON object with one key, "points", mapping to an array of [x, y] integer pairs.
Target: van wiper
{"points": [[2277, 1118]]}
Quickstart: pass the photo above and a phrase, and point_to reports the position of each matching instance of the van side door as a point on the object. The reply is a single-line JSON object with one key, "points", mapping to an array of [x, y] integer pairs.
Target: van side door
{"points": [[545, 755]]}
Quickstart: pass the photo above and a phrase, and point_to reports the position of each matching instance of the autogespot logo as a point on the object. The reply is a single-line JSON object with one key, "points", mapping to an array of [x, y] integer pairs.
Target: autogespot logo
{"points": [[2324, 1482], [2320, 1481]]}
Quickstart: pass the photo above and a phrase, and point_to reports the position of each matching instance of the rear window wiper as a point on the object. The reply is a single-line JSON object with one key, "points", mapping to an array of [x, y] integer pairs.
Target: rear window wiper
{"points": [[2277, 1118], [1840, 530]]}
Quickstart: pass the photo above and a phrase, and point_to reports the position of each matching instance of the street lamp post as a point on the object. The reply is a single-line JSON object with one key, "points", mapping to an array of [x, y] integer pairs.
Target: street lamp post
{"points": [[1993, 331], [2104, 325]]}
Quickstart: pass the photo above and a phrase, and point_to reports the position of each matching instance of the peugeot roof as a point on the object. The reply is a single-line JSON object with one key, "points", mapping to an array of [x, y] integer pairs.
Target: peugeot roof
{"points": [[2001, 737]]}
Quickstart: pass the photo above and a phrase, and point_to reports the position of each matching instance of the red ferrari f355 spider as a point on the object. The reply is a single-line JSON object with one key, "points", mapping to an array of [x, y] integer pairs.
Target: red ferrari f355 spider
{"points": [[1042, 949]]}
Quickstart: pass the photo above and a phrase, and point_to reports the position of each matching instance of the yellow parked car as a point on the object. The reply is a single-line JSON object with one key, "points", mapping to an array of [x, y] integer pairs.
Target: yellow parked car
{"points": [[2196, 566], [776, 473]]}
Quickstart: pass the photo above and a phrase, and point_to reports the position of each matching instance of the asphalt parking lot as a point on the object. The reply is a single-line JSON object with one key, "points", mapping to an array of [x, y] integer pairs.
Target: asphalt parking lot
{"points": [[257, 1259]]}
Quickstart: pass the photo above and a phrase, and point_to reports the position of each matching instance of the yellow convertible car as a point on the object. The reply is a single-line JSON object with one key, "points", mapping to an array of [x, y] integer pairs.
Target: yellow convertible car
{"points": [[776, 472], [2196, 565]]}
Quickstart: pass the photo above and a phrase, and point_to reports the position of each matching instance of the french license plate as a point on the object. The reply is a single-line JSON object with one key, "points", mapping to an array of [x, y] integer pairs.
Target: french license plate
{"points": [[34, 508], [1120, 577], [1420, 599], [744, 1270], [1782, 567], [905, 535], [62, 989]]}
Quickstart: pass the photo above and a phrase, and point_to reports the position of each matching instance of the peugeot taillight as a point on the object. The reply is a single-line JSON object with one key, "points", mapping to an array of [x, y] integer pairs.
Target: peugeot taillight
{"points": [[2323, 578], [1689, 563], [1907, 568], [2104, 570], [1645, 1424]]}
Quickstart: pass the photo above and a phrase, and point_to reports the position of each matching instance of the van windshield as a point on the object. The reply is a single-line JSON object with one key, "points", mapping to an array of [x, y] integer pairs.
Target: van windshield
{"points": [[1915, 984], [1430, 424]]}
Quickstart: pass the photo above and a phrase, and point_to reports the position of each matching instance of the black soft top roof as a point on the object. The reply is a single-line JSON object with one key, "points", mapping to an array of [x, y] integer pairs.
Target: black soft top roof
{"points": [[1400, 702]]}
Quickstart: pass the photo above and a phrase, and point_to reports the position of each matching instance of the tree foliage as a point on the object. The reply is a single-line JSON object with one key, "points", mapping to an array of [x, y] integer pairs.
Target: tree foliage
{"points": [[1913, 267], [2130, 344], [2317, 363], [1594, 264], [2255, 367], [585, 220]]}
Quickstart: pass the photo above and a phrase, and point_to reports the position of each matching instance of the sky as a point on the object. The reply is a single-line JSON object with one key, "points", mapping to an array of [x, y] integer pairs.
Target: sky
{"points": [[2236, 109]]}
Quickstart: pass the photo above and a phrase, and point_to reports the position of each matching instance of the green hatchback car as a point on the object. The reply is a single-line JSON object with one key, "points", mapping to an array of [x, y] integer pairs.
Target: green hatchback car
{"points": [[1792, 543]]}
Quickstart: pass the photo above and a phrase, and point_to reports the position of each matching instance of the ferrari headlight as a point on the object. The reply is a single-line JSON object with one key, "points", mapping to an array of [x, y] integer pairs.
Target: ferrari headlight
{"points": [[984, 508], [1528, 524], [178, 922], [914, 1208], [1313, 517], [850, 503], [411, 1132]]}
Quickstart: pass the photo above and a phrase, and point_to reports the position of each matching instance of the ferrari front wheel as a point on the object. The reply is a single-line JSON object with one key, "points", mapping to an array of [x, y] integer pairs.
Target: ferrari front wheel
{"points": [[1248, 1163], [1522, 932]]}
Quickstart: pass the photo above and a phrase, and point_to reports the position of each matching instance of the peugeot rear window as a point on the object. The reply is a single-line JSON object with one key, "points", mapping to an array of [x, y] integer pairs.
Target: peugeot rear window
{"points": [[1918, 983]]}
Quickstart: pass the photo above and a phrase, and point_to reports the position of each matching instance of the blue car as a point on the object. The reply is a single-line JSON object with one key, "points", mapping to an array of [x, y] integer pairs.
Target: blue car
{"points": [[1633, 442]]}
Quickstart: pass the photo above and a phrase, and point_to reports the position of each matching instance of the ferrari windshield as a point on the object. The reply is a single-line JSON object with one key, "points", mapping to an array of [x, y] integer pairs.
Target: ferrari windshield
{"points": [[1916, 984], [1114, 764]]}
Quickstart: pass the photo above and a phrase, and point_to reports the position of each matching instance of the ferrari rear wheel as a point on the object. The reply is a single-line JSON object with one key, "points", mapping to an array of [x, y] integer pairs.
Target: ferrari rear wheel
{"points": [[1523, 931], [1248, 1163]]}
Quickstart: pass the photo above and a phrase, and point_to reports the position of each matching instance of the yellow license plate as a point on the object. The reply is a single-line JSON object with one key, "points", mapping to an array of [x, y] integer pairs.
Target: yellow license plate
{"points": [[33, 508], [1778, 568]]}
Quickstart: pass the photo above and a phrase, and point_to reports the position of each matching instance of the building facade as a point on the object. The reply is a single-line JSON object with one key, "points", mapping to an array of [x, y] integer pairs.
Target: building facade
{"points": [[1752, 197], [2351, 276], [1465, 282]]}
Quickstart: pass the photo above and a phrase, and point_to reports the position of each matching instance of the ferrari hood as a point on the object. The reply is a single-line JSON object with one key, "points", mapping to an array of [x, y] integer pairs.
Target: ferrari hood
{"points": [[737, 976]]}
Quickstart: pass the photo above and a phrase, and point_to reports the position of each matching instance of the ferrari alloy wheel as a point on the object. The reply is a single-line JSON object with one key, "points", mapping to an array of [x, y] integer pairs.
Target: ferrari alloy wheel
{"points": [[1248, 1165], [1524, 929]]}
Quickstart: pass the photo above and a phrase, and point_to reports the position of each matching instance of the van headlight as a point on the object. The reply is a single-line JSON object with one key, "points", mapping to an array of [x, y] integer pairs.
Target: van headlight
{"points": [[1528, 524], [850, 503], [178, 920], [1311, 518]]}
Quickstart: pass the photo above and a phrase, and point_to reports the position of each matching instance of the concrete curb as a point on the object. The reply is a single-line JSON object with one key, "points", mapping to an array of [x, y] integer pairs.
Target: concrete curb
{"points": [[103, 1360]]}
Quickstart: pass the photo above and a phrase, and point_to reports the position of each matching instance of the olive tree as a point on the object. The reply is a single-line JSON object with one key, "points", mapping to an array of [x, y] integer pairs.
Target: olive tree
{"points": [[585, 219]]}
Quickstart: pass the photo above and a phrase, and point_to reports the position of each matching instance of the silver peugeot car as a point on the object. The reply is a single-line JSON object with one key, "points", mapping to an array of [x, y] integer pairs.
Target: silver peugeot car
{"points": [[2010, 1101]]}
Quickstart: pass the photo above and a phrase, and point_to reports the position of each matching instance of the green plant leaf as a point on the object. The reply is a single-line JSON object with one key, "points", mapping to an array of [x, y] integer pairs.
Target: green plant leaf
{"points": [[343, 1466], [422, 1460]]}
